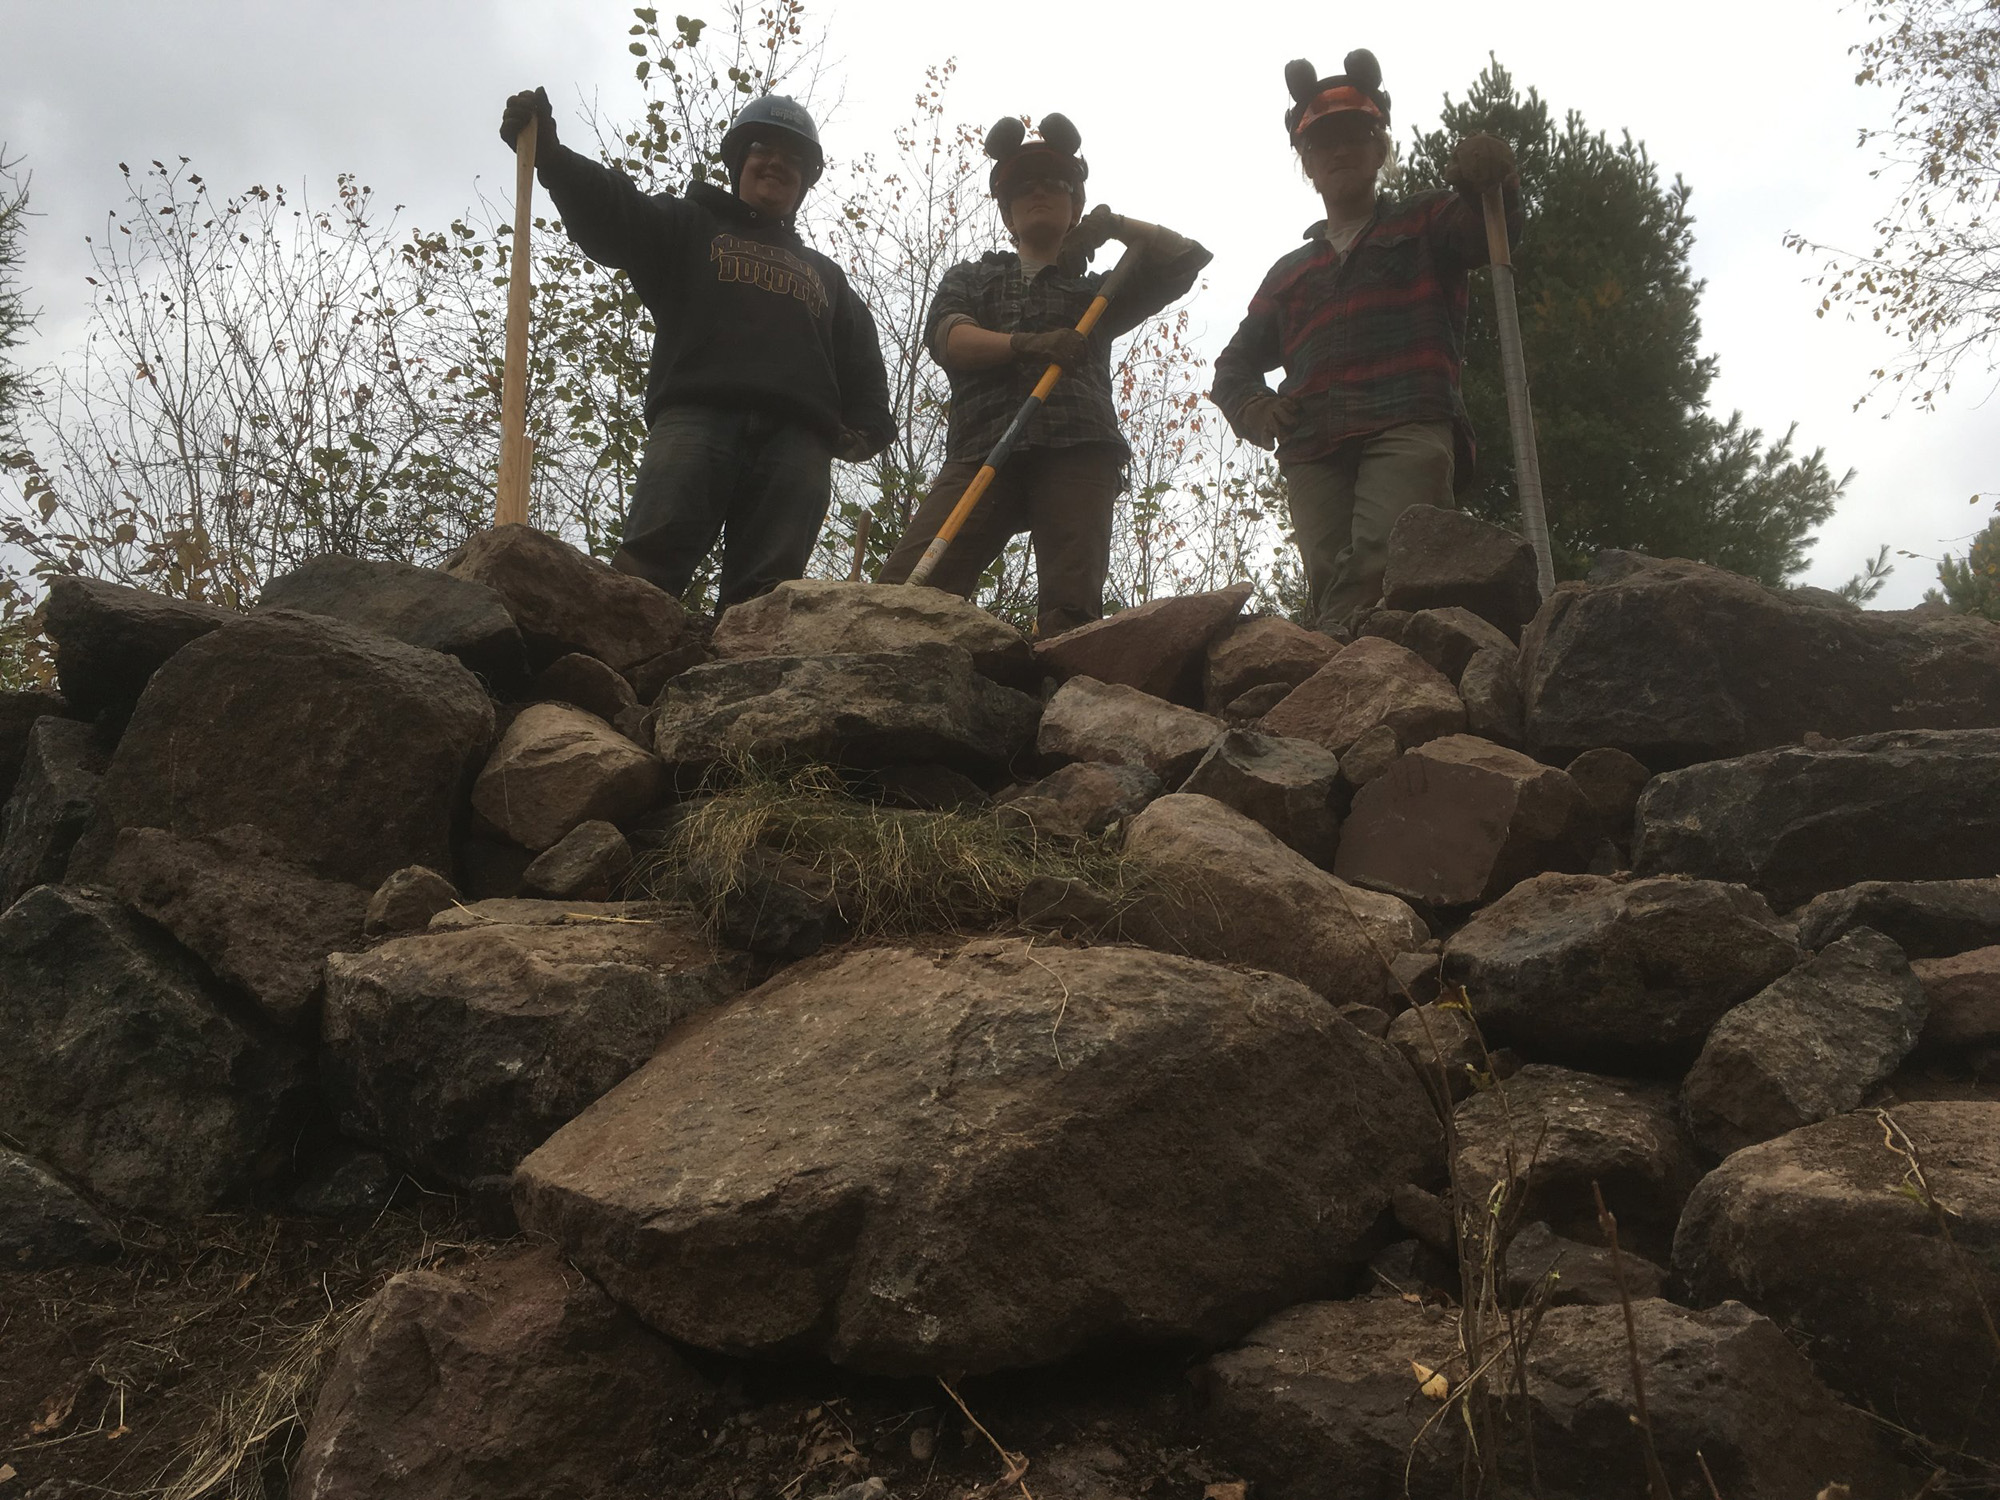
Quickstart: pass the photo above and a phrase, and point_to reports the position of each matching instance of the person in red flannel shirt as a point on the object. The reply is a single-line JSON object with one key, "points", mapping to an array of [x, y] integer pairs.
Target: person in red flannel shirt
{"points": [[1368, 320]]}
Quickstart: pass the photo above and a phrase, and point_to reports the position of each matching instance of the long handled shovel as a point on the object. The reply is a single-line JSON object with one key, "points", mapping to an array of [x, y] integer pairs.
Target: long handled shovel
{"points": [[1514, 370], [1003, 450], [511, 503]]}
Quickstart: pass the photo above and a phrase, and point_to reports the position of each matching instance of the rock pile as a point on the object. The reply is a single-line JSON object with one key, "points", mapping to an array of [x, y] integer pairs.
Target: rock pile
{"points": [[1472, 976]]}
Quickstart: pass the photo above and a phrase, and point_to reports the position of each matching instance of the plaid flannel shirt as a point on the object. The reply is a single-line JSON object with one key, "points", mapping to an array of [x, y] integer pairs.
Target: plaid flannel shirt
{"points": [[993, 293], [1369, 339]]}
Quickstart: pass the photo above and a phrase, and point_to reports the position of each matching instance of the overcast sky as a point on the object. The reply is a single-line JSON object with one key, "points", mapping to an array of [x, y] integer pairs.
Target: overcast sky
{"points": [[1752, 101]]}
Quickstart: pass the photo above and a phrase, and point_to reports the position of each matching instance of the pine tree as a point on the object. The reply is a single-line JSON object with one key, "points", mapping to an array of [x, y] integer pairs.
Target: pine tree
{"points": [[1971, 585], [15, 319], [1631, 456]]}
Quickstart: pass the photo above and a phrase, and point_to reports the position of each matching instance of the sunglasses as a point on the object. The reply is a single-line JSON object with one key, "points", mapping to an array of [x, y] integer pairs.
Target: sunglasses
{"points": [[1025, 185], [771, 151]]}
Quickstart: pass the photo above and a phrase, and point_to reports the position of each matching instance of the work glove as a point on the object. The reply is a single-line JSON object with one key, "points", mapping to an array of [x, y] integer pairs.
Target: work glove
{"points": [[522, 108], [1263, 420], [853, 447], [1085, 238], [1059, 346], [1479, 162]]}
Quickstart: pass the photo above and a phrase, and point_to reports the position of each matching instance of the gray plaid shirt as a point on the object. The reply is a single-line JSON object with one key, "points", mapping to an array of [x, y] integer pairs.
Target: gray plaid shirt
{"points": [[994, 293]]}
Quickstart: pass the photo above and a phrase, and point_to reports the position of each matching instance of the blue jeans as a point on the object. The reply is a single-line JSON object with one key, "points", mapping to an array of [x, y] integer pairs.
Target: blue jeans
{"points": [[758, 480]]}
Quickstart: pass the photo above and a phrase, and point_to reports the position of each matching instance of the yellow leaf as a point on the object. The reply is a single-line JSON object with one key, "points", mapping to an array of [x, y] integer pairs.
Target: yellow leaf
{"points": [[1430, 1382]]}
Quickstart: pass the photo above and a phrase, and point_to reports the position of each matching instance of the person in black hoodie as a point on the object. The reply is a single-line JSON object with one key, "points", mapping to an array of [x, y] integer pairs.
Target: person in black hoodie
{"points": [[765, 362]]}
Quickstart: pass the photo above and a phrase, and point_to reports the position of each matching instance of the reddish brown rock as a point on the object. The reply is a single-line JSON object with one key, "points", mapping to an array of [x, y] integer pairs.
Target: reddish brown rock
{"points": [[1441, 558], [1286, 785], [1157, 648], [563, 601], [1460, 821], [1371, 682], [1610, 782], [1123, 726], [809, 616], [1257, 652], [1449, 638], [558, 766], [1964, 993]]}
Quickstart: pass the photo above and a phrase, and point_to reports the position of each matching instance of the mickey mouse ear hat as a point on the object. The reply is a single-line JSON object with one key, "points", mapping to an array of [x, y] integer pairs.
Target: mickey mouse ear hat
{"points": [[1358, 90], [1015, 156]]}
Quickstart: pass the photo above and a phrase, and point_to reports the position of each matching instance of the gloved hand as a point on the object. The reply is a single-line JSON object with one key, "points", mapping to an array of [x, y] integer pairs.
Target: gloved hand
{"points": [[1085, 238], [1059, 346], [520, 109], [1479, 162], [853, 447], [1263, 420]]}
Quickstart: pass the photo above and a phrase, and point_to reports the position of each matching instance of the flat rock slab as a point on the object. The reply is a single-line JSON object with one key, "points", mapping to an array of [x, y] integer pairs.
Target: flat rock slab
{"points": [[110, 639], [44, 1222], [812, 616], [869, 708], [1441, 559], [353, 750], [1122, 726], [1158, 648], [1550, 1134], [1374, 681], [557, 767], [1327, 1389], [563, 601], [1459, 821], [1964, 996], [1816, 1229], [463, 1051], [1925, 918], [914, 1165], [1677, 662], [513, 1378], [1226, 889], [1260, 652], [1620, 975], [125, 1068], [417, 606], [1575, 1274], [1809, 1047], [1920, 805], [259, 921]]}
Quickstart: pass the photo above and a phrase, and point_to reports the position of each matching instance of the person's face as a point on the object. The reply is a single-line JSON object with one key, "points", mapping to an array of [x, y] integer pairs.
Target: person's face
{"points": [[1042, 206], [1342, 153], [774, 177]]}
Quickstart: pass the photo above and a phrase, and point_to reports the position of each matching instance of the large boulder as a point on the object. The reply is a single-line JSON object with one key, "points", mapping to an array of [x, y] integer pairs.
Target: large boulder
{"points": [[1449, 638], [18, 712], [418, 606], [110, 639], [816, 616], [922, 1165], [1963, 994], [1374, 681], [1286, 785], [259, 921], [511, 1378], [1490, 688], [1809, 1047], [1223, 887], [1443, 559], [1328, 1389], [1262, 651], [1678, 662], [563, 601], [127, 1070], [868, 708], [1122, 726], [1619, 975], [1910, 806], [1084, 798], [45, 1222], [1830, 1232], [1551, 1136], [1925, 918], [352, 750], [557, 767], [462, 1051], [1158, 648], [1459, 821], [54, 801]]}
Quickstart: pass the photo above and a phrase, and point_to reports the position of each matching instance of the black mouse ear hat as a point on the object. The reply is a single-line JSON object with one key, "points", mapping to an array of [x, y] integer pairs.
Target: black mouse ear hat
{"points": [[1053, 154], [1359, 89]]}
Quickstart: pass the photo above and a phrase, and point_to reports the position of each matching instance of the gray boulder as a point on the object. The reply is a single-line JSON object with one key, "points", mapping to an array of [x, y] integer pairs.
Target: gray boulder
{"points": [[816, 616], [563, 601], [126, 1070], [1490, 688], [1440, 559], [1618, 975], [557, 767], [407, 901], [986, 1161], [1925, 918], [462, 1051], [1286, 785], [54, 802], [1372, 682], [417, 606], [110, 639], [1809, 1047], [1122, 726], [1912, 806], [588, 863], [44, 1222]]}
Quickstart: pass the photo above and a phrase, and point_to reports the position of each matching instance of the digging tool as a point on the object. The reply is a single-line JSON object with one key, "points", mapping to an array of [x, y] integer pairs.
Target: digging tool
{"points": [[1134, 232], [511, 504], [1514, 370]]}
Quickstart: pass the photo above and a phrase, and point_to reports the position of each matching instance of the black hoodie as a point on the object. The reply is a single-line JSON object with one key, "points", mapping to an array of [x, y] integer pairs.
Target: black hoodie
{"points": [[745, 313]]}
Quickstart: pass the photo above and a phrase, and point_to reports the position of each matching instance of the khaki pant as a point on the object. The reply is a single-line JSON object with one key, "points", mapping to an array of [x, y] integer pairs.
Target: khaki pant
{"points": [[1344, 506], [1061, 496]]}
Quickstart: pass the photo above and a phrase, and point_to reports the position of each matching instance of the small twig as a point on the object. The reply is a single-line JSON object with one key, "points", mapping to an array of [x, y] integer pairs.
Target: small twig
{"points": [[1017, 1463], [1707, 1478], [1656, 1477]]}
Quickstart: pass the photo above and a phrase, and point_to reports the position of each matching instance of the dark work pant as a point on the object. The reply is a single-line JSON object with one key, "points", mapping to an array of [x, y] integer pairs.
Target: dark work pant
{"points": [[757, 480], [1061, 496]]}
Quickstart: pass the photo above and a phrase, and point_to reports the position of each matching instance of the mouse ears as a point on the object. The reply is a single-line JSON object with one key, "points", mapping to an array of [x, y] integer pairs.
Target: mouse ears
{"points": [[1055, 149]]}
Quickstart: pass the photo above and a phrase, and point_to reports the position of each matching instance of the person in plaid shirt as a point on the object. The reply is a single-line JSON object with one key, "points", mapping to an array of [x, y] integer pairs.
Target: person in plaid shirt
{"points": [[995, 324], [1368, 320]]}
